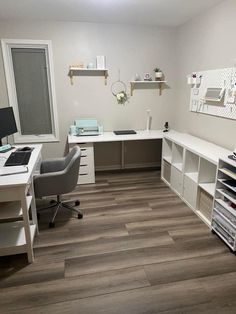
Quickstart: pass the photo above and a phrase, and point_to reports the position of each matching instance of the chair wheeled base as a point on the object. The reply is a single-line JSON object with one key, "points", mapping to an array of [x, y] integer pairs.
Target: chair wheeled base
{"points": [[59, 204]]}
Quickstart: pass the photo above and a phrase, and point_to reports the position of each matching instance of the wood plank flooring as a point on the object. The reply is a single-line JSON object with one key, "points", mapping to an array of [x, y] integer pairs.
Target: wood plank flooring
{"points": [[138, 250]]}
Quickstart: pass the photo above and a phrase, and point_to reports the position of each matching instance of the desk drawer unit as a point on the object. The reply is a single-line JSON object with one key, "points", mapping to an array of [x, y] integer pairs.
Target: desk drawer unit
{"points": [[86, 171]]}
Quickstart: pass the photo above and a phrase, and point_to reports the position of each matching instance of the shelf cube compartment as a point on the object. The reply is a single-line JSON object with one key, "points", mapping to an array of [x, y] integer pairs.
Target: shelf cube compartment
{"points": [[191, 168], [190, 188], [166, 170], [176, 180], [207, 172], [167, 150], [205, 204], [177, 156]]}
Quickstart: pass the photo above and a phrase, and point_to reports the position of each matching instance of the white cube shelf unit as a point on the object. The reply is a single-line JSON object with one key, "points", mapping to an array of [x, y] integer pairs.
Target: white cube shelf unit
{"points": [[189, 167], [224, 211]]}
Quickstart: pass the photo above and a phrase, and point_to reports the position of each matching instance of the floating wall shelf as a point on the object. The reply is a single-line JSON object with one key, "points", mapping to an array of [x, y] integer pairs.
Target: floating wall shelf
{"points": [[75, 71], [159, 85]]}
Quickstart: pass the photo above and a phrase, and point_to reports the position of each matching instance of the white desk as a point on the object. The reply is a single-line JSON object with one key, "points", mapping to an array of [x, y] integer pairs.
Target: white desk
{"points": [[111, 137], [17, 190], [87, 169]]}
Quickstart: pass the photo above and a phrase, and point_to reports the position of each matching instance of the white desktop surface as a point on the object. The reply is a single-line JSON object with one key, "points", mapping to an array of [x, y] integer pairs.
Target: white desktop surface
{"points": [[21, 178], [201, 147], [111, 137]]}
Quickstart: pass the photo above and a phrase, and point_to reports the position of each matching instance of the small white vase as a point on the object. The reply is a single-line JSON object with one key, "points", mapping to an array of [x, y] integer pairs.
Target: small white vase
{"points": [[158, 75]]}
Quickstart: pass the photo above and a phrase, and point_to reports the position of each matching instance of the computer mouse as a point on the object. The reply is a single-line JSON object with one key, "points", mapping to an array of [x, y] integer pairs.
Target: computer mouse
{"points": [[25, 149]]}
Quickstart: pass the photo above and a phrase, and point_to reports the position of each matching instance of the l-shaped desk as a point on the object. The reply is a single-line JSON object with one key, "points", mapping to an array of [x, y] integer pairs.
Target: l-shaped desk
{"points": [[207, 150], [86, 143]]}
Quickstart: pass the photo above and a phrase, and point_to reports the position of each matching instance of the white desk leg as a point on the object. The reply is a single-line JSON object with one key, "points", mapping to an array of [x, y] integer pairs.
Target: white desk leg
{"points": [[26, 222], [33, 207]]}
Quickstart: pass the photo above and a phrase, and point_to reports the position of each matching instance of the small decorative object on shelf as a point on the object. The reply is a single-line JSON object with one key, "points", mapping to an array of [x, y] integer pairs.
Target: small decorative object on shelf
{"points": [[233, 156], [158, 74], [137, 77], [147, 77], [192, 79], [101, 62], [79, 65], [119, 90], [90, 65], [166, 127]]}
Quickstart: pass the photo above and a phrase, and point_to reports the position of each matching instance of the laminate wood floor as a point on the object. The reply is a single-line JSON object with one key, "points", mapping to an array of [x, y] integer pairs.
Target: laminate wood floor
{"points": [[138, 250]]}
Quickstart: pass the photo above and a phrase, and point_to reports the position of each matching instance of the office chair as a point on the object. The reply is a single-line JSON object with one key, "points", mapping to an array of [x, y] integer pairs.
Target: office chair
{"points": [[59, 176]]}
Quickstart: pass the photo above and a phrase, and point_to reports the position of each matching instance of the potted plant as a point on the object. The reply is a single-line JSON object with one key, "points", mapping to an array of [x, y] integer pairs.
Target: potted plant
{"points": [[158, 73]]}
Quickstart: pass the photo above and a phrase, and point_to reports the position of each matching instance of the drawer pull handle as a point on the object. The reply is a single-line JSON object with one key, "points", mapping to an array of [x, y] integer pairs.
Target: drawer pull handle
{"points": [[83, 174], [83, 156], [83, 149], [83, 165]]}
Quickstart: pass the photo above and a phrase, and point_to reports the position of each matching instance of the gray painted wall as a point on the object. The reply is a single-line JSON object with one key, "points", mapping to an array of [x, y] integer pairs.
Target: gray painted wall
{"points": [[131, 49], [207, 42]]}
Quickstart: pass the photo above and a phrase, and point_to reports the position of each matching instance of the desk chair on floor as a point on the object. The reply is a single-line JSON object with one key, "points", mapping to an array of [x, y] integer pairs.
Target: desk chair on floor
{"points": [[57, 177]]}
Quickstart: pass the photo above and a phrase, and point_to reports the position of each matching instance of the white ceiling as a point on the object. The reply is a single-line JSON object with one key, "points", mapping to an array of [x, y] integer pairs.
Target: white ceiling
{"points": [[139, 12]]}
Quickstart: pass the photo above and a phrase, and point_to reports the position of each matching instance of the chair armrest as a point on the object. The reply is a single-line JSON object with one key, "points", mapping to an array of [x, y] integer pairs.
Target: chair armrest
{"points": [[52, 165]]}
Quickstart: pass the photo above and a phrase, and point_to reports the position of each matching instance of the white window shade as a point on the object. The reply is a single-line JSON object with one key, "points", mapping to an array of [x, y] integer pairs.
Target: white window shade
{"points": [[28, 67]]}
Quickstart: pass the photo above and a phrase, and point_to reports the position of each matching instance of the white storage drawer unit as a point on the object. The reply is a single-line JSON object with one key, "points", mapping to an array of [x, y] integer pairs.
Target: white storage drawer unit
{"points": [[224, 211], [86, 171]]}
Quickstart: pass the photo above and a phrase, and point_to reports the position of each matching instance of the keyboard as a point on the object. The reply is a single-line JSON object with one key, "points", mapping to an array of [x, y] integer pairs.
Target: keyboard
{"points": [[124, 132], [18, 159]]}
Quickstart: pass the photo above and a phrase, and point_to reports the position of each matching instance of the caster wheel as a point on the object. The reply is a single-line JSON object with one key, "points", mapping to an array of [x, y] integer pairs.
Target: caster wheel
{"points": [[213, 232], [51, 224], [52, 202], [80, 216], [38, 216], [77, 203]]}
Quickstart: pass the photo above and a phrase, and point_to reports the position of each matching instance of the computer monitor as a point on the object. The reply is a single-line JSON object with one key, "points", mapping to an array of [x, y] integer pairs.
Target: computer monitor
{"points": [[7, 123]]}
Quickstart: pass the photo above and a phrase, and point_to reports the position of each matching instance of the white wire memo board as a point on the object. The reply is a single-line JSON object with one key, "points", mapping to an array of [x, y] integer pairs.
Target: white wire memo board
{"points": [[221, 81]]}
